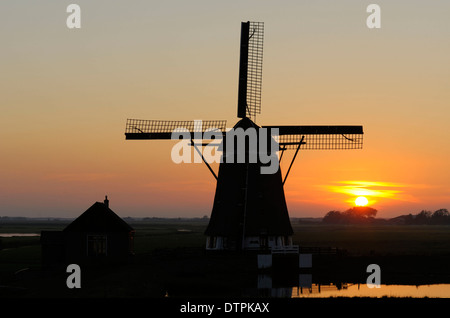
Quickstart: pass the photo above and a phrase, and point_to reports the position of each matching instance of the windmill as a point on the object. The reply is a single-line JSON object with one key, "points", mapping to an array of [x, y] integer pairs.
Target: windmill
{"points": [[249, 210]]}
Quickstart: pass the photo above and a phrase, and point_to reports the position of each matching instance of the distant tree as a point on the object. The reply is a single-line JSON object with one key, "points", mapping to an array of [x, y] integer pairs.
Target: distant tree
{"points": [[423, 217], [440, 213], [332, 217], [441, 216], [355, 215], [362, 211]]}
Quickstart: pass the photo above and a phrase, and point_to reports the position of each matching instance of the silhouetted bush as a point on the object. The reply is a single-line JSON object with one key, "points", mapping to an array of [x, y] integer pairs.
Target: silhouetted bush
{"points": [[333, 217], [438, 217], [355, 215]]}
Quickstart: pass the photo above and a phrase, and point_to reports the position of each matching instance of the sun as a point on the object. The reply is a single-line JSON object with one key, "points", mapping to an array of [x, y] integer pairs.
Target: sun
{"points": [[361, 201]]}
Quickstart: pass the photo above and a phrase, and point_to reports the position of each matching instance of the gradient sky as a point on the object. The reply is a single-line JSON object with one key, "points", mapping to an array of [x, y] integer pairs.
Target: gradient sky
{"points": [[65, 96]]}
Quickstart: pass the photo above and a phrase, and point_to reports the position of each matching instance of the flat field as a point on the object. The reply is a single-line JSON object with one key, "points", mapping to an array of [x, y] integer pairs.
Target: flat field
{"points": [[170, 258]]}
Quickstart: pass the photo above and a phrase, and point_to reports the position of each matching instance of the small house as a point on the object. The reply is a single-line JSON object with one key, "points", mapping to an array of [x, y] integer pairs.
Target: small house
{"points": [[98, 234]]}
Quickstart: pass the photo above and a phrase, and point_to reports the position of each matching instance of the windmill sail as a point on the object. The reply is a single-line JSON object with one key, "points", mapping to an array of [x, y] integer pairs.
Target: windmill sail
{"points": [[162, 129], [250, 69], [320, 137]]}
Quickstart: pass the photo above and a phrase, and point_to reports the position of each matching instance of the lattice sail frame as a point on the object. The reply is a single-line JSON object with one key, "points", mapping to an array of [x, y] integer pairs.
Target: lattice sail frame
{"points": [[314, 137], [322, 142], [254, 75], [162, 129], [320, 137]]}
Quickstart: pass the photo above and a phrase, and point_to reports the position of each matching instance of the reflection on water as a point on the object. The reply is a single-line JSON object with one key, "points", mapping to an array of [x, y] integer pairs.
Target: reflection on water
{"points": [[361, 290], [304, 288], [17, 234]]}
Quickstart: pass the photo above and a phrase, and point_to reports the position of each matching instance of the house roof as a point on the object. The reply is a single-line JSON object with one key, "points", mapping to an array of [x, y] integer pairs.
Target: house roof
{"points": [[98, 218]]}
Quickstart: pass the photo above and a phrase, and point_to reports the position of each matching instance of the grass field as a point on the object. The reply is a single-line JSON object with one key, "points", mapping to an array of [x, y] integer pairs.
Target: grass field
{"points": [[377, 239], [170, 257], [356, 239]]}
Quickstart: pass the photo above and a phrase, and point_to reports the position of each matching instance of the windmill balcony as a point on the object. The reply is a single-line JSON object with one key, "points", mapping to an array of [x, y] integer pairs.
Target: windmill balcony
{"points": [[276, 244]]}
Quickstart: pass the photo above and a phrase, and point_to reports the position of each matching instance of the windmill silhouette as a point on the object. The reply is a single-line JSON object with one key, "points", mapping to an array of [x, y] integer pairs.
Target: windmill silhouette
{"points": [[249, 210]]}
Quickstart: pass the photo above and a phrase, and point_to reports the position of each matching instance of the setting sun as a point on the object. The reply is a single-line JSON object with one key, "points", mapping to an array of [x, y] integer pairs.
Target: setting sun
{"points": [[361, 201]]}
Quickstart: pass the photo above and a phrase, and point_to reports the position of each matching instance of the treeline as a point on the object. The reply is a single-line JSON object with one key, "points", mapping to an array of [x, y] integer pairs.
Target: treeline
{"points": [[355, 215], [441, 216], [366, 215]]}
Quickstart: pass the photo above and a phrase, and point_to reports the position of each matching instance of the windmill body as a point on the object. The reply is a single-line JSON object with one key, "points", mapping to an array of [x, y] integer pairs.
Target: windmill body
{"points": [[249, 210]]}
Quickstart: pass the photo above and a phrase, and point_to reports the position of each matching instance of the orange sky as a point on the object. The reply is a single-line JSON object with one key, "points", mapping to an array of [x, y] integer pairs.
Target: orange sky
{"points": [[65, 96]]}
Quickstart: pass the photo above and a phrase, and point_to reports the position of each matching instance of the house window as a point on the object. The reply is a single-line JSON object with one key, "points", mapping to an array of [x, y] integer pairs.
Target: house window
{"points": [[96, 245], [212, 242], [263, 241], [286, 241]]}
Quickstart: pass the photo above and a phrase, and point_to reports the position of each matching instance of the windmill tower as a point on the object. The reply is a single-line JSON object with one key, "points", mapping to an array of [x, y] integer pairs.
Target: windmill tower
{"points": [[249, 210]]}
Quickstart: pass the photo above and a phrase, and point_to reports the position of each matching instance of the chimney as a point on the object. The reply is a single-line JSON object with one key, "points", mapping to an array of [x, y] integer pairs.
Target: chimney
{"points": [[106, 202]]}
